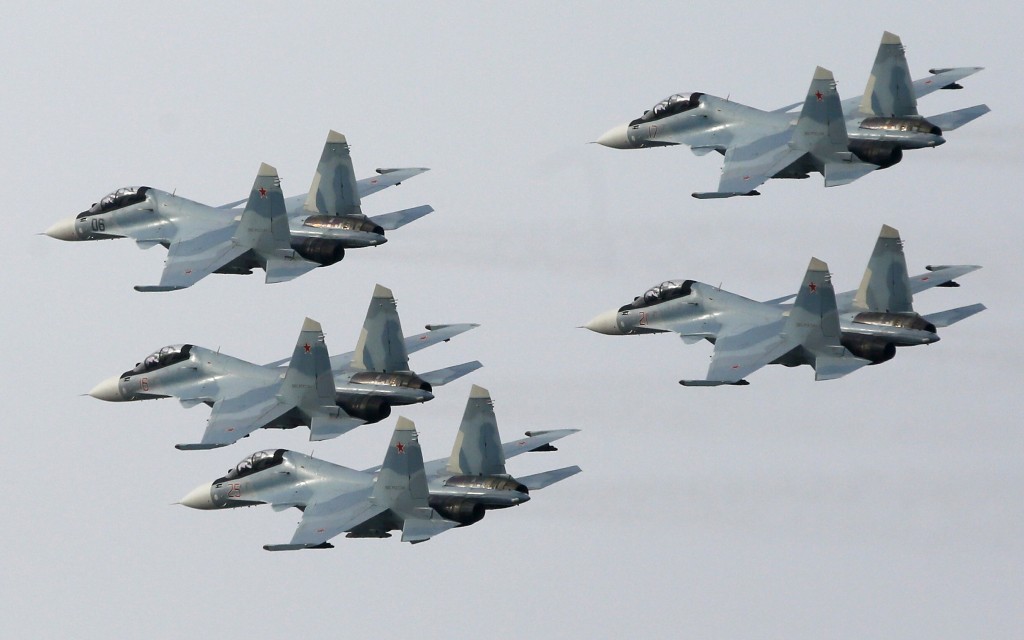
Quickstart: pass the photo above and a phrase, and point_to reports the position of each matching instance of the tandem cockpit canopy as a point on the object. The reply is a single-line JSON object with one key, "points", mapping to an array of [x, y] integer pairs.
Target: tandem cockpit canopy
{"points": [[671, 105], [256, 462], [668, 290], [163, 357], [117, 199]]}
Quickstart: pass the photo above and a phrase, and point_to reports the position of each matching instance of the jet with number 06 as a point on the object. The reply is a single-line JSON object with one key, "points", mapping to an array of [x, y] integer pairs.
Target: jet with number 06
{"points": [[329, 394], [286, 237], [834, 333], [421, 500], [843, 141]]}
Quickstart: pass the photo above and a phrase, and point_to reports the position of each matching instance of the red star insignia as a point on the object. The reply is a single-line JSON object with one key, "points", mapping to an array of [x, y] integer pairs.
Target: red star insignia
{"points": [[928, 81], [307, 347], [818, 95], [746, 177], [400, 448], [925, 278], [262, 192], [813, 287], [374, 181], [423, 337]]}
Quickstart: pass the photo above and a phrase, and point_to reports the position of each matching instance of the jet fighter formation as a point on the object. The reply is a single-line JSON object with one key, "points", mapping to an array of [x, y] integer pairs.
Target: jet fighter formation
{"points": [[835, 334], [330, 394], [286, 237], [421, 500], [842, 140]]}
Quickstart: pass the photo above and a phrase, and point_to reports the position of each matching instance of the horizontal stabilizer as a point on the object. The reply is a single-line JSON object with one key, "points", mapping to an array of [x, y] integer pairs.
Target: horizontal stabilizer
{"points": [[838, 173], [284, 269], [422, 529], [285, 547], [441, 377], [396, 219], [711, 383], [326, 427], [828, 367], [541, 480], [952, 316], [155, 288], [952, 120]]}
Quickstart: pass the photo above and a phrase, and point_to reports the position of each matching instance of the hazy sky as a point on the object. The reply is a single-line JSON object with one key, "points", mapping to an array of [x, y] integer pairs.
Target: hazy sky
{"points": [[886, 504]]}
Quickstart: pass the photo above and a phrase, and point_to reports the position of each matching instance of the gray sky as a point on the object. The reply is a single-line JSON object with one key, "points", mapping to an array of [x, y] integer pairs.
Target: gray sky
{"points": [[887, 504]]}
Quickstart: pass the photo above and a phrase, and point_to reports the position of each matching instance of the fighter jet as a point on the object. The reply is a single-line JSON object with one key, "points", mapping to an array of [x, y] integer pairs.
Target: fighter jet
{"points": [[835, 334], [843, 141], [330, 394], [421, 500], [284, 237]]}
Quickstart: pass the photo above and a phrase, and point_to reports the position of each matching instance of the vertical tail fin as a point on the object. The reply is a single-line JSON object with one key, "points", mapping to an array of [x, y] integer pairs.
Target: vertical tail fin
{"points": [[402, 482], [890, 89], [814, 322], [477, 449], [264, 223], [886, 284], [381, 345], [334, 191], [821, 127], [309, 380], [309, 385]]}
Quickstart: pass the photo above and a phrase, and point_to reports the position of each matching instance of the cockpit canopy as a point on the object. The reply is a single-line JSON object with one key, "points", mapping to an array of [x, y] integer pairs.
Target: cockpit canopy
{"points": [[671, 105], [914, 125], [117, 199], [668, 290], [163, 357], [256, 462]]}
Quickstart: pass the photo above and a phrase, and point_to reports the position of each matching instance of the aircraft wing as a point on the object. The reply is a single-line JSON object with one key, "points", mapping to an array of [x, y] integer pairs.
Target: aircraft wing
{"points": [[321, 521], [435, 333], [744, 350], [939, 79], [190, 260], [386, 178], [238, 416], [951, 316], [420, 529], [934, 277], [534, 440], [748, 166]]}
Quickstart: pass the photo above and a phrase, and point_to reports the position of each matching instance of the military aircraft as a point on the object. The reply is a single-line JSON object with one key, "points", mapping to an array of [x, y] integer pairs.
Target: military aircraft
{"points": [[835, 334], [284, 237], [421, 500], [330, 394], [843, 141]]}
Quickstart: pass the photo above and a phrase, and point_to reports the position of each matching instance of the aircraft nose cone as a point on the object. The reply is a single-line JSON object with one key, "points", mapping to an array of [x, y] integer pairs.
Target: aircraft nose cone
{"points": [[616, 138], [200, 497], [108, 390], [605, 323], [63, 230]]}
